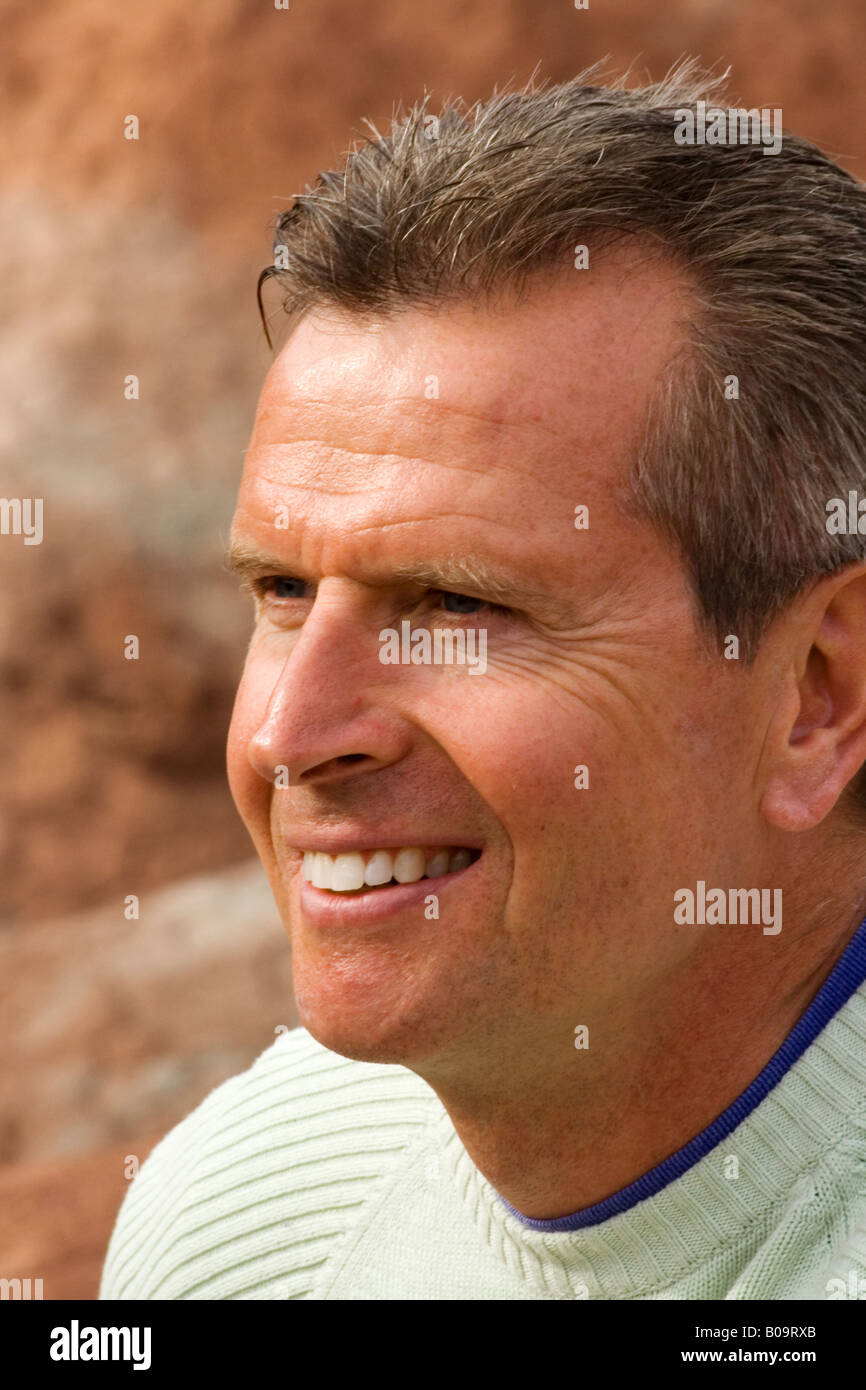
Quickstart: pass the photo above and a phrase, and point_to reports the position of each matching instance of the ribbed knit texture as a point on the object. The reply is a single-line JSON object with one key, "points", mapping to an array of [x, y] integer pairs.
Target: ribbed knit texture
{"points": [[313, 1176]]}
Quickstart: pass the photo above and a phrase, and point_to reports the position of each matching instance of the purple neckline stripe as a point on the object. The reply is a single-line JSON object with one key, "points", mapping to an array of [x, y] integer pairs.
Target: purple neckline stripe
{"points": [[847, 975]]}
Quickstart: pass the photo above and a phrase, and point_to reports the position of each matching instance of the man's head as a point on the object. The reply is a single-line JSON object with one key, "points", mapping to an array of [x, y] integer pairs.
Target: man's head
{"points": [[459, 382]]}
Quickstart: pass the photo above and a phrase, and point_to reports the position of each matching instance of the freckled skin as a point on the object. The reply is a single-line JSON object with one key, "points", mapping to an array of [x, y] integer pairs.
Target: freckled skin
{"points": [[570, 920]]}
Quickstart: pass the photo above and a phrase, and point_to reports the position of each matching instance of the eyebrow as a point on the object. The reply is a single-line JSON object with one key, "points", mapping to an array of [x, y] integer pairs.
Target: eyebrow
{"points": [[449, 572]]}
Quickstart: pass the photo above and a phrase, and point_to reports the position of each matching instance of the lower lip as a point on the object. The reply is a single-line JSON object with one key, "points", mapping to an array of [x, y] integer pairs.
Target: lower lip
{"points": [[325, 909]]}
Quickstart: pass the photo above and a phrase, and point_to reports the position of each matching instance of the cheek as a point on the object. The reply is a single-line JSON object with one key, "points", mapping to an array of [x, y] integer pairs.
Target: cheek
{"points": [[522, 757], [560, 776]]}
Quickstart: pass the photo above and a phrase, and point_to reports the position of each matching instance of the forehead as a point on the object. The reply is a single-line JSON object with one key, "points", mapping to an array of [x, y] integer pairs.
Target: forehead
{"points": [[582, 343], [509, 413]]}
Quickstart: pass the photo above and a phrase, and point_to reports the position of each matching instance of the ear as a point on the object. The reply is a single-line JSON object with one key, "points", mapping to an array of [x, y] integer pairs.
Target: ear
{"points": [[817, 740]]}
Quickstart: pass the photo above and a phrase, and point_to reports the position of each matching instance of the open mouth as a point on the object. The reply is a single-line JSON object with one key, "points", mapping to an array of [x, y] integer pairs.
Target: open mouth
{"points": [[358, 873]]}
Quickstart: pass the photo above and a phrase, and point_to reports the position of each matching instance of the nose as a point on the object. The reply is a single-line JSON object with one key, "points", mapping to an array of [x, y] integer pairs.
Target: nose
{"points": [[327, 718]]}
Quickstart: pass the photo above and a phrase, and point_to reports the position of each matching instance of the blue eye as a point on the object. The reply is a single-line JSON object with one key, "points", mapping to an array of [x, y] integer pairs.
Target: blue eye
{"points": [[462, 603], [281, 585]]}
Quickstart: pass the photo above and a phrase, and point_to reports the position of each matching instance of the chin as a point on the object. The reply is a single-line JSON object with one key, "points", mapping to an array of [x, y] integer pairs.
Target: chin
{"points": [[371, 1029], [359, 1043]]}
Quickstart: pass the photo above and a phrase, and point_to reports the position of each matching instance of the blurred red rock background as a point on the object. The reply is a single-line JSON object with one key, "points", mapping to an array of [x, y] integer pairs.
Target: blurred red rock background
{"points": [[140, 257]]}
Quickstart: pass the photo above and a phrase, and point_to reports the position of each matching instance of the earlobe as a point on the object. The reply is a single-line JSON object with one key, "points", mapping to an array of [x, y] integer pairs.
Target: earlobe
{"points": [[799, 797]]}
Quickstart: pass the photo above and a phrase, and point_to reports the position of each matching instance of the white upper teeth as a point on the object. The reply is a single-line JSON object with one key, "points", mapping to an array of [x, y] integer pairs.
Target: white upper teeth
{"points": [[345, 873]]}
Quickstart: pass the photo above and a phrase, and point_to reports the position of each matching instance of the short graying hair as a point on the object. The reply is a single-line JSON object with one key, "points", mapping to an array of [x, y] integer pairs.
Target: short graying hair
{"points": [[474, 200]]}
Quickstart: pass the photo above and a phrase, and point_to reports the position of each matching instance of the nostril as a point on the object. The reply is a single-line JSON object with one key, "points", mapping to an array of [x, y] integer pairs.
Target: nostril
{"points": [[334, 768]]}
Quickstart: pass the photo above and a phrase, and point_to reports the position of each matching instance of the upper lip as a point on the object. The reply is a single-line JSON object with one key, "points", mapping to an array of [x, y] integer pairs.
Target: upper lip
{"points": [[320, 842]]}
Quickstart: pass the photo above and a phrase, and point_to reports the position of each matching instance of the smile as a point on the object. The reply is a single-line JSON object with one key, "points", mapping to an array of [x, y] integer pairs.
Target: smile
{"points": [[357, 872]]}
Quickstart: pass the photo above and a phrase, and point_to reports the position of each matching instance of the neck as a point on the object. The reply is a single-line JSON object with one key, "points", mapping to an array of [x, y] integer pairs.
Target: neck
{"points": [[555, 1128]]}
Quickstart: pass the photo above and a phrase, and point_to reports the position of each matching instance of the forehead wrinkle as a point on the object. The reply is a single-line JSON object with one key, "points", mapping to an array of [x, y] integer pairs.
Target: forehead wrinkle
{"points": [[511, 414], [517, 427], [335, 470], [446, 431]]}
